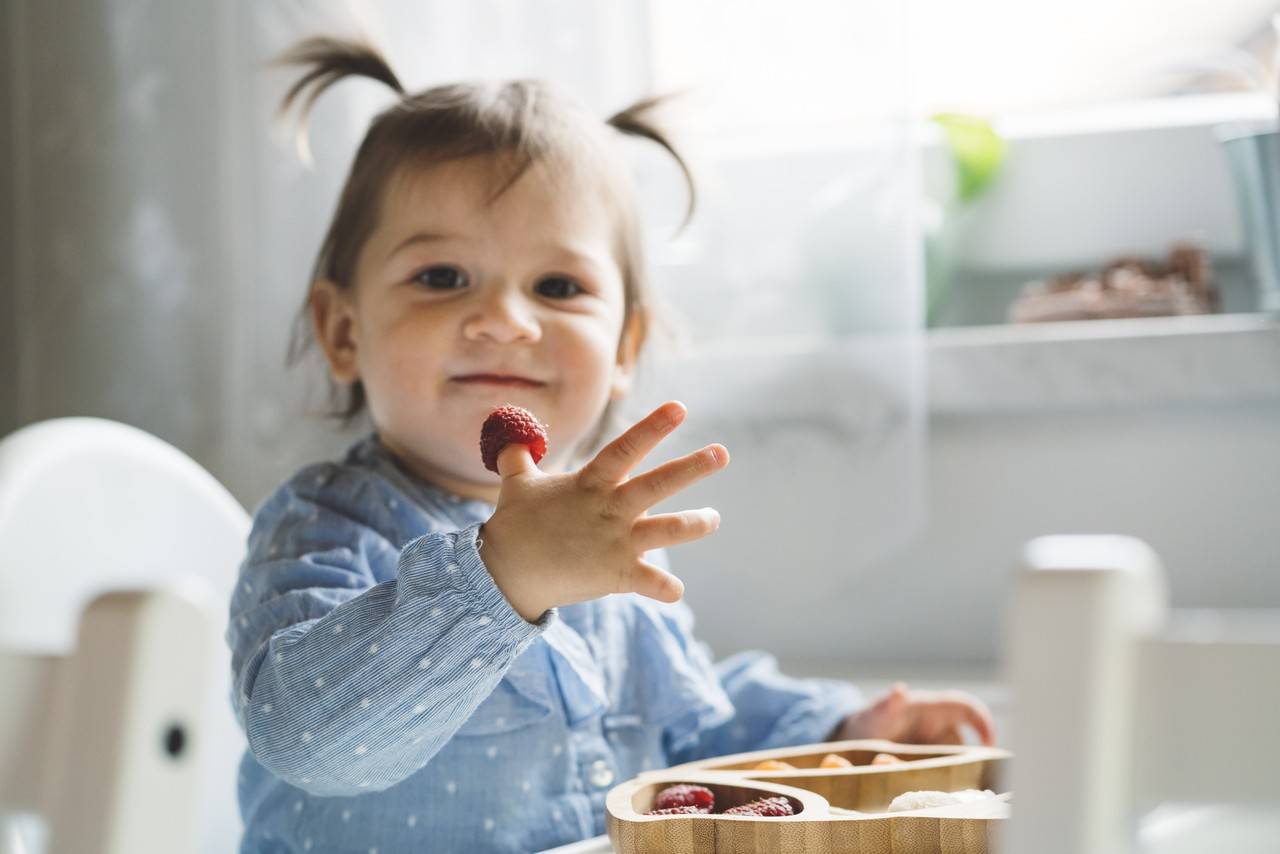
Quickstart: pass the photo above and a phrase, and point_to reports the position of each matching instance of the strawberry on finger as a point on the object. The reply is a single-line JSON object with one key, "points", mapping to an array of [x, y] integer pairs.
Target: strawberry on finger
{"points": [[508, 425]]}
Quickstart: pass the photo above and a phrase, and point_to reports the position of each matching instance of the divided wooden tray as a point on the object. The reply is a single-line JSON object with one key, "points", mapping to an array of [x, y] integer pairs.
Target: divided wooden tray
{"points": [[837, 809]]}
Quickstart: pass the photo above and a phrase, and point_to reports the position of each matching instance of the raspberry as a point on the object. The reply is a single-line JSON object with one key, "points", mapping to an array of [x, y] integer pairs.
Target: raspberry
{"points": [[507, 425], [687, 809], [764, 808], [684, 794]]}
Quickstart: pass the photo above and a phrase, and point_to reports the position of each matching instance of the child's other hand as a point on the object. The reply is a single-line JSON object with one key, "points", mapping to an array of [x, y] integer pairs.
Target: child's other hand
{"points": [[919, 717], [557, 539]]}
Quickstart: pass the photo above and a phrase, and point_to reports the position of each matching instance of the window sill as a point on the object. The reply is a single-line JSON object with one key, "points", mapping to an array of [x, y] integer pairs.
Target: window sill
{"points": [[1104, 364]]}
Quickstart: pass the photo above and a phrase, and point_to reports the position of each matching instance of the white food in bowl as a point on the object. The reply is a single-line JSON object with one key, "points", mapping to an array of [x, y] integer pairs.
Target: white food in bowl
{"points": [[924, 800]]}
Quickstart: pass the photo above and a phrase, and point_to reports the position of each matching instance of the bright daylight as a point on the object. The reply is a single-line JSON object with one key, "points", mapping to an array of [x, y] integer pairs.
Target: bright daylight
{"points": [[639, 427]]}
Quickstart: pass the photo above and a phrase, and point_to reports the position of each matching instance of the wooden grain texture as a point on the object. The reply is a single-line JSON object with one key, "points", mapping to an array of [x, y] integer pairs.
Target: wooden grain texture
{"points": [[957, 829]]}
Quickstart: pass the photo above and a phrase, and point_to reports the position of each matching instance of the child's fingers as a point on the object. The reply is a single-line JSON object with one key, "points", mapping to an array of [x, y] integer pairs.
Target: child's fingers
{"points": [[965, 709], [514, 460], [666, 480], [886, 717], [620, 456], [654, 582], [980, 719], [670, 529]]}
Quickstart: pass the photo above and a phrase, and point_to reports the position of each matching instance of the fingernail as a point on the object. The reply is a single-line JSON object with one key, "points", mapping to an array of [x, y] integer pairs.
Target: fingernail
{"points": [[677, 587]]}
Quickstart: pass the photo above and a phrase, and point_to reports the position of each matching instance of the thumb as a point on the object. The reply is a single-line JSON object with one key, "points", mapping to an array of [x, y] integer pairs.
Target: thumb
{"points": [[515, 460]]}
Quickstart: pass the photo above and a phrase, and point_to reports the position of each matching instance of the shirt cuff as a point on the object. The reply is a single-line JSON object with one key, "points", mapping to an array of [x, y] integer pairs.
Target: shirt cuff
{"points": [[451, 563]]}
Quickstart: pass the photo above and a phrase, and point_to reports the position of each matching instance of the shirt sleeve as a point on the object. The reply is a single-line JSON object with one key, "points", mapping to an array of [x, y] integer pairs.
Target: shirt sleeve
{"points": [[345, 685], [770, 709]]}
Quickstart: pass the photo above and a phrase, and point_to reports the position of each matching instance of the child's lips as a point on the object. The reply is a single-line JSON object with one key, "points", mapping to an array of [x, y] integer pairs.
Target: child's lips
{"points": [[503, 380]]}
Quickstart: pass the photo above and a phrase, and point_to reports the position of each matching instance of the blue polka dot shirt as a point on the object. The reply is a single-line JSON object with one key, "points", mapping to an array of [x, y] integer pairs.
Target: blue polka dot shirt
{"points": [[393, 701]]}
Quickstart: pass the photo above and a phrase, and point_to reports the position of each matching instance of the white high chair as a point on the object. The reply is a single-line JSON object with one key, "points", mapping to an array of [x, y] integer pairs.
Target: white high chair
{"points": [[116, 732], [1121, 705]]}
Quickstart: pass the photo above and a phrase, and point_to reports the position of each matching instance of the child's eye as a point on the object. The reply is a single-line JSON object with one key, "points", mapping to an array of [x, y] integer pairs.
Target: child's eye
{"points": [[442, 278], [558, 287]]}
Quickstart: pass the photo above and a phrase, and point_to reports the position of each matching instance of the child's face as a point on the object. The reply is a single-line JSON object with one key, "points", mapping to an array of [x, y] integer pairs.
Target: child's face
{"points": [[461, 305]]}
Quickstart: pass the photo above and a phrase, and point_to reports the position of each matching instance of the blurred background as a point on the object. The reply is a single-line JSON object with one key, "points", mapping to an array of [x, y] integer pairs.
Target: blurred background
{"points": [[961, 274]]}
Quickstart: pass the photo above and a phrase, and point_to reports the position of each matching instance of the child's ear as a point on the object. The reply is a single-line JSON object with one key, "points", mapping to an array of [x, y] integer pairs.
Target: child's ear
{"points": [[633, 333], [333, 317]]}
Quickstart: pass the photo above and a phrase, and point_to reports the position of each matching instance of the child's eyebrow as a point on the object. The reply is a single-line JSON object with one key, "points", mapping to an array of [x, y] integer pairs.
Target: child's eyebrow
{"points": [[573, 256], [421, 237]]}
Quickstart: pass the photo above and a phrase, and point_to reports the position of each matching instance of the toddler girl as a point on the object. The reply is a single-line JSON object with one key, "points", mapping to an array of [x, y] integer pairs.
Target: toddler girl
{"points": [[430, 657]]}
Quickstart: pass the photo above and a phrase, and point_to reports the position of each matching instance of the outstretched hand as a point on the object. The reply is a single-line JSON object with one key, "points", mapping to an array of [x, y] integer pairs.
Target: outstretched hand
{"points": [[557, 539], [919, 717]]}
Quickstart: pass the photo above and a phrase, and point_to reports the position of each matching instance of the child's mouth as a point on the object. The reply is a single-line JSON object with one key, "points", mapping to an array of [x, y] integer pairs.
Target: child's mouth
{"points": [[506, 380]]}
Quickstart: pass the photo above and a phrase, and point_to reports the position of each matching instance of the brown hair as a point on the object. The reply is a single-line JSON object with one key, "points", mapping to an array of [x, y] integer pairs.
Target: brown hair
{"points": [[519, 122]]}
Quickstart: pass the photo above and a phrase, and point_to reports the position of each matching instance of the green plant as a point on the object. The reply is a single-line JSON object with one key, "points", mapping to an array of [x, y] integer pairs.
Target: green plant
{"points": [[978, 153]]}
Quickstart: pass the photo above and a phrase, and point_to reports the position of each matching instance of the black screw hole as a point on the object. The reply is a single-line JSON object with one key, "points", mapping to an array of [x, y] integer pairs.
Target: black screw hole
{"points": [[175, 741]]}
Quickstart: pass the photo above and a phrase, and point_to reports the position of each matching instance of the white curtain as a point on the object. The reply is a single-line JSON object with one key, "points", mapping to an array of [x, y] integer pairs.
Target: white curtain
{"points": [[798, 288]]}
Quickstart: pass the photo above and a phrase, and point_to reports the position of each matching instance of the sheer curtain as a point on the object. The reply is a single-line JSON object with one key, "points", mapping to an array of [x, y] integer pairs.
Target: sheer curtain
{"points": [[798, 292]]}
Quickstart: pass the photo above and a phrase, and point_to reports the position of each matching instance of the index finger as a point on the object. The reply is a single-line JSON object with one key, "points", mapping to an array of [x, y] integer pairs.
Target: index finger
{"points": [[621, 455]]}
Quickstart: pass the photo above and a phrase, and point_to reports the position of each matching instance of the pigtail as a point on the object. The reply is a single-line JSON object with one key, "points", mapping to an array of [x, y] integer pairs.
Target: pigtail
{"points": [[636, 121], [329, 59]]}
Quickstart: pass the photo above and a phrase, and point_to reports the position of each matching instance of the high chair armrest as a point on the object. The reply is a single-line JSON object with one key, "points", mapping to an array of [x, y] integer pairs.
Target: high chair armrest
{"points": [[107, 742]]}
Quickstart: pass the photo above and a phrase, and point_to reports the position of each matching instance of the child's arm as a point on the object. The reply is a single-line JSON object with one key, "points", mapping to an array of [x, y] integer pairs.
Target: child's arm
{"points": [[774, 710], [771, 709], [749, 704], [345, 685]]}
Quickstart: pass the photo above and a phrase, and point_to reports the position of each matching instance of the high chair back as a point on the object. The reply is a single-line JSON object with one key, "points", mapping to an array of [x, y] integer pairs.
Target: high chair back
{"points": [[116, 730], [1122, 705]]}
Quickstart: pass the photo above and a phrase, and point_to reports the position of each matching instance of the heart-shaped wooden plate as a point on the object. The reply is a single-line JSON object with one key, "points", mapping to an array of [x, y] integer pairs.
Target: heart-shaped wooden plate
{"points": [[836, 809]]}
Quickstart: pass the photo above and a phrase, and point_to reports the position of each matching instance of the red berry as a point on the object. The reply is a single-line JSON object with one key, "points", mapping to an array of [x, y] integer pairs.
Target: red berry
{"points": [[507, 425], [764, 808], [685, 794], [687, 809]]}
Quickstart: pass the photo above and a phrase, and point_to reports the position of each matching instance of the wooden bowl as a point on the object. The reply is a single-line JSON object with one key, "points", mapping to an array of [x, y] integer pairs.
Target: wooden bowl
{"points": [[866, 787], [821, 798]]}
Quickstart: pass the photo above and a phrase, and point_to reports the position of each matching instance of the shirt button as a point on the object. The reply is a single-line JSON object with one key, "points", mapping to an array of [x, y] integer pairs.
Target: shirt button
{"points": [[601, 774]]}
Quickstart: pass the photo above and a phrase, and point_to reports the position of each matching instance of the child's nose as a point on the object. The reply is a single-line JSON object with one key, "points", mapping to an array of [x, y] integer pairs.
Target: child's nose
{"points": [[502, 316]]}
